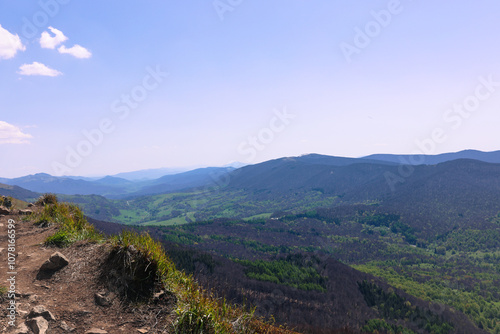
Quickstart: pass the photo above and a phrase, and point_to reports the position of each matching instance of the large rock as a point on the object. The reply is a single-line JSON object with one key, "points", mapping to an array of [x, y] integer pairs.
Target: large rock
{"points": [[25, 212], [4, 211], [38, 325], [55, 262], [41, 311]]}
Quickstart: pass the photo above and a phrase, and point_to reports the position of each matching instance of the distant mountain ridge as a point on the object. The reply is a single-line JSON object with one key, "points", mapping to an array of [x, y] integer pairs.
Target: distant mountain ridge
{"points": [[319, 159], [423, 159], [149, 174], [115, 187], [133, 184]]}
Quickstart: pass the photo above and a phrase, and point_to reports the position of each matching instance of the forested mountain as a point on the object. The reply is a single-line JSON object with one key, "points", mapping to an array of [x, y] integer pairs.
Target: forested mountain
{"points": [[309, 292]]}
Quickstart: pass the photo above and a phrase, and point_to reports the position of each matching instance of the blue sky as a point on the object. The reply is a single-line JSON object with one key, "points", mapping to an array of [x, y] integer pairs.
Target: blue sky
{"points": [[171, 83]]}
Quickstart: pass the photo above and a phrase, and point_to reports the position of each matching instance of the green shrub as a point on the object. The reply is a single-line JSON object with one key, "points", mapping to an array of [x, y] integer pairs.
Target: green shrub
{"points": [[6, 201], [46, 199], [380, 325]]}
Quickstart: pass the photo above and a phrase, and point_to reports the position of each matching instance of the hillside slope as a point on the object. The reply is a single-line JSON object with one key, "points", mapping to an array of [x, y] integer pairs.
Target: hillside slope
{"points": [[17, 192], [69, 278], [342, 302]]}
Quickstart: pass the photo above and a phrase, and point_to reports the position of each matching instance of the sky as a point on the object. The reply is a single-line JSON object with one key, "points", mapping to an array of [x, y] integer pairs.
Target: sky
{"points": [[101, 87]]}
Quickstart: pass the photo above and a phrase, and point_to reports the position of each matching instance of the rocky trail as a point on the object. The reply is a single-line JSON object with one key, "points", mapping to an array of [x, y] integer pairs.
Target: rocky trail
{"points": [[65, 290]]}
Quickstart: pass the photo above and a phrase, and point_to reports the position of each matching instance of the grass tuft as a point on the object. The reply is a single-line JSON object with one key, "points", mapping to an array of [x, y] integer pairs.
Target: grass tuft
{"points": [[71, 222]]}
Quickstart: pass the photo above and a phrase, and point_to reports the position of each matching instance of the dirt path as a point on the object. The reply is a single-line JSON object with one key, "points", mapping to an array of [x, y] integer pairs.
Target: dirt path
{"points": [[70, 293]]}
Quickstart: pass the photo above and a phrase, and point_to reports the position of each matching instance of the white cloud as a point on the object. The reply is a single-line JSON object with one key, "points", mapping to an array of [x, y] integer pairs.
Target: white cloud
{"points": [[10, 134], [77, 51], [9, 44], [38, 69], [49, 42]]}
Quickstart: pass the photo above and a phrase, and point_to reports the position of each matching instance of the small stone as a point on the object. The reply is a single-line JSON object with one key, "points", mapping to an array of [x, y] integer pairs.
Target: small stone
{"points": [[142, 330], [41, 311], [38, 325], [65, 327], [159, 295], [22, 313], [55, 262], [96, 331], [25, 212], [102, 299]]}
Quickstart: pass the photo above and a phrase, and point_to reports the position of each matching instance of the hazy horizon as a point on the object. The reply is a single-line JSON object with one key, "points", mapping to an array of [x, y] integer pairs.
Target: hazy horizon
{"points": [[92, 88], [234, 164]]}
